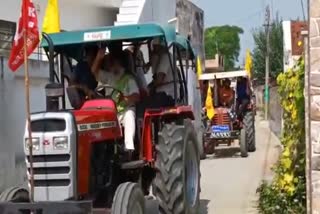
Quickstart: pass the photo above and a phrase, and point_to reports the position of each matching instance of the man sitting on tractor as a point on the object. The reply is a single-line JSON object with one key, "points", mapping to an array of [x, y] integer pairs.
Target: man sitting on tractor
{"points": [[162, 86], [243, 94], [84, 77], [119, 78], [226, 94]]}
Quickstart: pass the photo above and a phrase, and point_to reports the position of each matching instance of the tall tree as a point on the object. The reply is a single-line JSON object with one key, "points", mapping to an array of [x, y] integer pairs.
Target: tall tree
{"points": [[260, 49], [224, 40]]}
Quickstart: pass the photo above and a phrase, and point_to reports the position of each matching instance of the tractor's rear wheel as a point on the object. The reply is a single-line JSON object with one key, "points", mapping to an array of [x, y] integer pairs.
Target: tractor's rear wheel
{"points": [[128, 199], [248, 122], [15, 195], [177, 182], [243, 143], [202, 152]]}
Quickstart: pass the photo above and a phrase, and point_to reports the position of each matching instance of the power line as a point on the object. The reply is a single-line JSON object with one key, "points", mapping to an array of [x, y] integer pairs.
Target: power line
{"points": [[303, 13]]}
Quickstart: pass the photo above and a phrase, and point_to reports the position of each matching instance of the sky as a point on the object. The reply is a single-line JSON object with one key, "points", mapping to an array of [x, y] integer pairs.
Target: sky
{"points": [[248, 14]]}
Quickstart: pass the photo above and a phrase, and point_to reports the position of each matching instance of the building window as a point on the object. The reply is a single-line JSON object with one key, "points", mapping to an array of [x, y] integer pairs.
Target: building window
{"points": [[7, 31]]}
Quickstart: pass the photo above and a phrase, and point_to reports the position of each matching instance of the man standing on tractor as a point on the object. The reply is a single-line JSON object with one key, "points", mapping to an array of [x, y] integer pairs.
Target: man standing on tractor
{"points": [[226, 94], [126, 96]]}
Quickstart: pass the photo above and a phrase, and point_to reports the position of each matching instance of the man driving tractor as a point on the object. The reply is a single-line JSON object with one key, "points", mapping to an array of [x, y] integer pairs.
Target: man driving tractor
{"points": [[226, 93], [126, 96], [115, 74]]}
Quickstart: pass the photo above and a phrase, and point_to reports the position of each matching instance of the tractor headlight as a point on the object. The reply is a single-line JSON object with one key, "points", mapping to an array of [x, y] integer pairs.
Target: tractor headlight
{"points": [[60, 143], [35, 144]]}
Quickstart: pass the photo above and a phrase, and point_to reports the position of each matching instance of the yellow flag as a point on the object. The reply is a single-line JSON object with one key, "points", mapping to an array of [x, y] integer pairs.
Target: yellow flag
{"points": [[209, 104], [248, 65], [51, 21], [199, 69]]}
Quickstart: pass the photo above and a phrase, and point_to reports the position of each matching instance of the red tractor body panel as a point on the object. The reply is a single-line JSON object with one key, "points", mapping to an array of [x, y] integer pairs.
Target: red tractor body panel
{"points": [[97, 121]]}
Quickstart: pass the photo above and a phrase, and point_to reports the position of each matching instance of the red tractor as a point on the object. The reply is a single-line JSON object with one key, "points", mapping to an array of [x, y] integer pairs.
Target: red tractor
{"points": [[235, 121], [79, 162]]}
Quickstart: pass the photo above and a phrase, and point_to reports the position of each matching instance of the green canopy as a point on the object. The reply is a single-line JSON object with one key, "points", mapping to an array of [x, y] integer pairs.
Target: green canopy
{"points": [[71, 42]]}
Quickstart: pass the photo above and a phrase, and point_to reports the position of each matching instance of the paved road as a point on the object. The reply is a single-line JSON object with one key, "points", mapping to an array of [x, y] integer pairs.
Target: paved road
{"points": [[229, 182]]}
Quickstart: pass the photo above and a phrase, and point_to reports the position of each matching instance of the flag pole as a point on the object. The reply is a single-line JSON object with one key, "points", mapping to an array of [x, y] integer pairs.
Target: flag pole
{"points": [[27, 91]]}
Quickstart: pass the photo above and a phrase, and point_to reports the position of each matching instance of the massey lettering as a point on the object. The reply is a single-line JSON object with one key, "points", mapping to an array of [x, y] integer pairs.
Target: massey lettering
{"points": [[96, 126]]}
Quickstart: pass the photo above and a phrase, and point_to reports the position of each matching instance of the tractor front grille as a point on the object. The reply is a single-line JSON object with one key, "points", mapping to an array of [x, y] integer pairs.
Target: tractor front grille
{"points": [[54, 170], [221, 119], [50, 170]]}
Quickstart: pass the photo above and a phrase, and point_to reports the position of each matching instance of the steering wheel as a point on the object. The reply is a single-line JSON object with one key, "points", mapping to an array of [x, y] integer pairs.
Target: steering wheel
{"points": [[100, 89]]}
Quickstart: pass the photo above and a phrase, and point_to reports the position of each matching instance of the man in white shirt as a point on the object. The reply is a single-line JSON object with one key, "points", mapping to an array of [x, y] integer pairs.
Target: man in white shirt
{"points": [[117, 77], [139, 63], [162, 84]]}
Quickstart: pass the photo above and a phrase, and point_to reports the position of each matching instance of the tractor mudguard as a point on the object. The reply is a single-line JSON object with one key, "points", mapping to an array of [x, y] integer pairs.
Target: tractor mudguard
{"points": [[181, 112]]}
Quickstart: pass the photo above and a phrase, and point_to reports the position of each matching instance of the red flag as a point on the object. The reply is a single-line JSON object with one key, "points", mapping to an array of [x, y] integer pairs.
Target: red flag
{"points": [[28, 24]]}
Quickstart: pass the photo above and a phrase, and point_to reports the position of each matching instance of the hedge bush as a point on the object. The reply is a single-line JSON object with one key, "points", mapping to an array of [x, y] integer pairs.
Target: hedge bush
{"points": [[287, 191]]}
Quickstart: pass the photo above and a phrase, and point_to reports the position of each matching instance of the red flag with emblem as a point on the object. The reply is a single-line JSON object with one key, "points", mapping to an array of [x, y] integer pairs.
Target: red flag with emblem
{"points": [[27, 26]]}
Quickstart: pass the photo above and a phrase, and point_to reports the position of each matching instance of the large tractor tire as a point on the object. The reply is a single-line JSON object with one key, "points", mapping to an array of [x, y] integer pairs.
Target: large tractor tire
{"points": [[177, 181], [128, 199], [15, 195], [201, 146], [243, 143], [248, 123]]}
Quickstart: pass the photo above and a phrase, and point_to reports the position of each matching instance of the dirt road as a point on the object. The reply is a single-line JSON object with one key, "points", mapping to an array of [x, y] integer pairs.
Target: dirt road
{"points": [[229, 182]]}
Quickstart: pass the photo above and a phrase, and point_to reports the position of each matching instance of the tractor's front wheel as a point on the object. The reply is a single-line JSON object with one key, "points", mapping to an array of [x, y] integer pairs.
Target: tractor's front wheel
{"points": [[177, 182], [128, 199], [15, 195]]}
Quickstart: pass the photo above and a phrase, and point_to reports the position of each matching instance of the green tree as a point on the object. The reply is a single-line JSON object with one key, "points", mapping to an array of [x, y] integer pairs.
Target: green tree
{"points": [[224, 40], [260, 49]]}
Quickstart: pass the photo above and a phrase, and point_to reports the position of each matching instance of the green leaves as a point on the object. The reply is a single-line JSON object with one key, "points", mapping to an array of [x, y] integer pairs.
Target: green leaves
{"points": [[260, 49], [224, 40], [288, 186]]}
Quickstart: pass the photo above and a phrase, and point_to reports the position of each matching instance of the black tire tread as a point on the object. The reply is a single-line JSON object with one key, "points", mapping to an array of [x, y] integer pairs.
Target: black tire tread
{"points": [[248, 123], [170, 154], [126, 193], [168, 186], [243, 143], [15, 194]]}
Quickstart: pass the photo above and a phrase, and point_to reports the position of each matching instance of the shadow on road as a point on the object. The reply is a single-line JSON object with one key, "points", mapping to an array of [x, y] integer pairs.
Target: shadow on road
{"points": [[226, 152], [204, 206]]}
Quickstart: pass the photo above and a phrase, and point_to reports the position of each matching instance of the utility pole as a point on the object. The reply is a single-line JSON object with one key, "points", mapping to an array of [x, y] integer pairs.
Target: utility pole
{"points": [[266, 89]]}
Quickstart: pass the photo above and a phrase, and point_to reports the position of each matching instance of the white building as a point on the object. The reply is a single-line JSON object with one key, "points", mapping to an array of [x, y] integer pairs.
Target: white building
{"points": [[292, 42]]}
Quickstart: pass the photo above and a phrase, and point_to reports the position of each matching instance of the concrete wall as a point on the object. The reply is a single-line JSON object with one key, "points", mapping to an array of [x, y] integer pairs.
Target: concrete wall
{"points": [[275, 109], [191, 21], [12, 119], [158, 11]]}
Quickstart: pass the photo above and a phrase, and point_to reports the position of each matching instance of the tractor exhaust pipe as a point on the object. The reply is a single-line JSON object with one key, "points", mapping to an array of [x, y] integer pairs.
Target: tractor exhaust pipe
{"points": [[53, 93]]}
